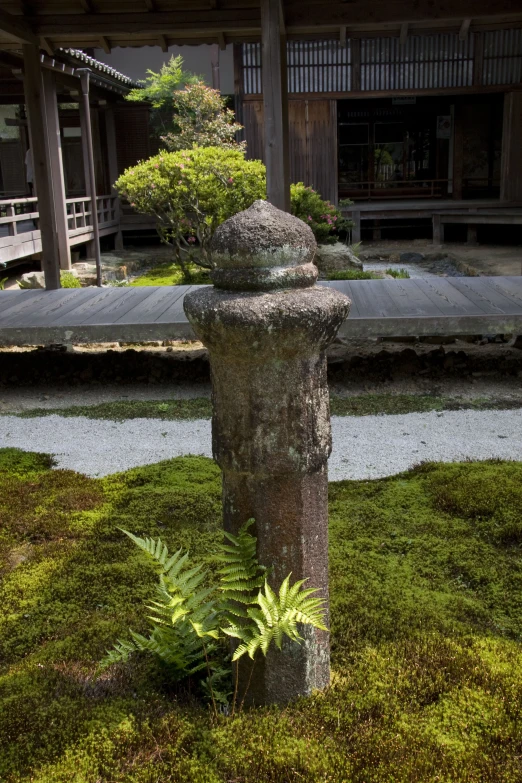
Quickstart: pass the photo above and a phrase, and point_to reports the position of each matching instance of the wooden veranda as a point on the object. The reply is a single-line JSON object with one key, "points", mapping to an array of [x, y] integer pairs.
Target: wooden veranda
{"points": [[380, 308]]}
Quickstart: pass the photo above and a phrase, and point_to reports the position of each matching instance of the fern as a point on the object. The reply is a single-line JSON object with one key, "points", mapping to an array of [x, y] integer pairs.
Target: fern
{"points": [[185, 623], [241, 576], [191, 622], [276, 616]]}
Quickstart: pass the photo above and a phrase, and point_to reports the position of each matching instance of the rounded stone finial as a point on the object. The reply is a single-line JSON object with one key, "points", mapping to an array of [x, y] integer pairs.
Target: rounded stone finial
{"points": [[261, 249]]}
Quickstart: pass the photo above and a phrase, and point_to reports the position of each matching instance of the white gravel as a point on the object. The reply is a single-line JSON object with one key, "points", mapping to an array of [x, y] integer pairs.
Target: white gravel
{"points": [[364, 447]]}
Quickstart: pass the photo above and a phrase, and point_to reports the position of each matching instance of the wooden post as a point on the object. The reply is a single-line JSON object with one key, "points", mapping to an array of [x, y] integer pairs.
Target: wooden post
{"points": [[511, 163], [238, 87], [356, 230], [472, 234], [35, 102], [275, 100], [214, 64], [112, 155], [56, 165], [84, 74], [438, 230], [458, 151]]}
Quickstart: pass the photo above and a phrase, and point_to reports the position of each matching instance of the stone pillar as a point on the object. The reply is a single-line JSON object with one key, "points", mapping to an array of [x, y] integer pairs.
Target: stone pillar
{"points": [[267, 326]]}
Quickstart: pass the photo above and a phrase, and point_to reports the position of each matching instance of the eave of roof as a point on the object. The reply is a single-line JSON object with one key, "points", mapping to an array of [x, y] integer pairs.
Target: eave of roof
{"points": [[102, 68]]}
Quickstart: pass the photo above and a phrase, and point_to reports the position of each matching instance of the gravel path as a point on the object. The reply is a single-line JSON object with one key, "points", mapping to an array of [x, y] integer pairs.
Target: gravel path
{"points": [[428, 268], [364, 447]]}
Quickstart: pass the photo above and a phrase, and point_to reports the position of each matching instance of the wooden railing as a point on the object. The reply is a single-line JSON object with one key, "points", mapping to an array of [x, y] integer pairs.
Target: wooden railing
{"points": [[18, 217], [79, 213], [19, 229], [388, 189]]}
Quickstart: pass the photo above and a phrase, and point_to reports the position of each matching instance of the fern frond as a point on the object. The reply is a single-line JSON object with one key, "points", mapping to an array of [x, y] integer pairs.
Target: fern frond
{"points": [[120, 653], [154, 548], [275, 616]]}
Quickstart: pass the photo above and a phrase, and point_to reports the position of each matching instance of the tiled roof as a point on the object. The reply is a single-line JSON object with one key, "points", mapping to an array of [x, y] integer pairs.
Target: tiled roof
{"points": [[103, 68]]}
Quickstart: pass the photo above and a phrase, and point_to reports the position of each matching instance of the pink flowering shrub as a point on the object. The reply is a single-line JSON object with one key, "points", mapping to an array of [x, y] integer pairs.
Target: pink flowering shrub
{"points": [[324, 218], [190, 193]]}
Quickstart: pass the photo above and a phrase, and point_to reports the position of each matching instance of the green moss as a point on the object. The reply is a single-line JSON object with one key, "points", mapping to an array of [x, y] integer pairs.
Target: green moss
{"points": [[172, 274], [353, 274], [68, 280], [374, 404], [119, 410], [398, 274], [426, 633], [200, 407]]}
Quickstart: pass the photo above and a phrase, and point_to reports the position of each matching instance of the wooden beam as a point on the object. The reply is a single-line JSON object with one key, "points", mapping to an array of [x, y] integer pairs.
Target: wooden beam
{"points": [[15, 27], [105, 44], [162, 39], [178, 23], [46, 45], [403, 36], [275, 100], [34, 98], [282, 20], [310, 13], [56, 169], [342, 35], [222, 41], [464, 29]]}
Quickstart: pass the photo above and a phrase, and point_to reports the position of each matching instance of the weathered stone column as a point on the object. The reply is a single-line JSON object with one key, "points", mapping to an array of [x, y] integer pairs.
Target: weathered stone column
{"points": [[267, 326]]}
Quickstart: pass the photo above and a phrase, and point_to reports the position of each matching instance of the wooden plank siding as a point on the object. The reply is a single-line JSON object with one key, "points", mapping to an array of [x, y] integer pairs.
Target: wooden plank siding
{"points": [[133, 134], [511, 164], [438, 61], [313, 142]]}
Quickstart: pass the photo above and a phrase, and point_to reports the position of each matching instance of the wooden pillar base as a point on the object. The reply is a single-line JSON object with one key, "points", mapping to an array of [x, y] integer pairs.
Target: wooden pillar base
{"points": [[356, 230], [472, 234], [438, 230]]}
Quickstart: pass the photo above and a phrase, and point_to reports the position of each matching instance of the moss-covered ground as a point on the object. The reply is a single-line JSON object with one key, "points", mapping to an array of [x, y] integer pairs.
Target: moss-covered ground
{"points": [[426, 592], [172, 274], [200, 407]]}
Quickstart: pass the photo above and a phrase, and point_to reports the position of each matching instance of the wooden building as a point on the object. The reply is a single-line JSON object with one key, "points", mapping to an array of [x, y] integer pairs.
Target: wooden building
{"points": [[410, 122], [413, 104]]}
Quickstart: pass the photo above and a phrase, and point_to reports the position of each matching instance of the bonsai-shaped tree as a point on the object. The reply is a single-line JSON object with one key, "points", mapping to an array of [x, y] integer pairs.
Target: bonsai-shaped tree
{"points": [[201, 117], [159, 90], [185, 111]]}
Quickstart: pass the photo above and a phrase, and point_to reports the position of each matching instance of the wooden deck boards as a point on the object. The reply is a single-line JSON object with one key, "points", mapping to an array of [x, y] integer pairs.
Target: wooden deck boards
{"points": [[435, 306]]}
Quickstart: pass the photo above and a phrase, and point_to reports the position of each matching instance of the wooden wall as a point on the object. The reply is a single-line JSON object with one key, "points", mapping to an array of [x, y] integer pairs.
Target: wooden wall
{"points": [[511, 165], [133, 135], [313, 141]]}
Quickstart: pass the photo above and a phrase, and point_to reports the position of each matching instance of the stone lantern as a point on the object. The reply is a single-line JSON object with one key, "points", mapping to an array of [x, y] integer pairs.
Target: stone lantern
{"points": [[267, 326]]}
